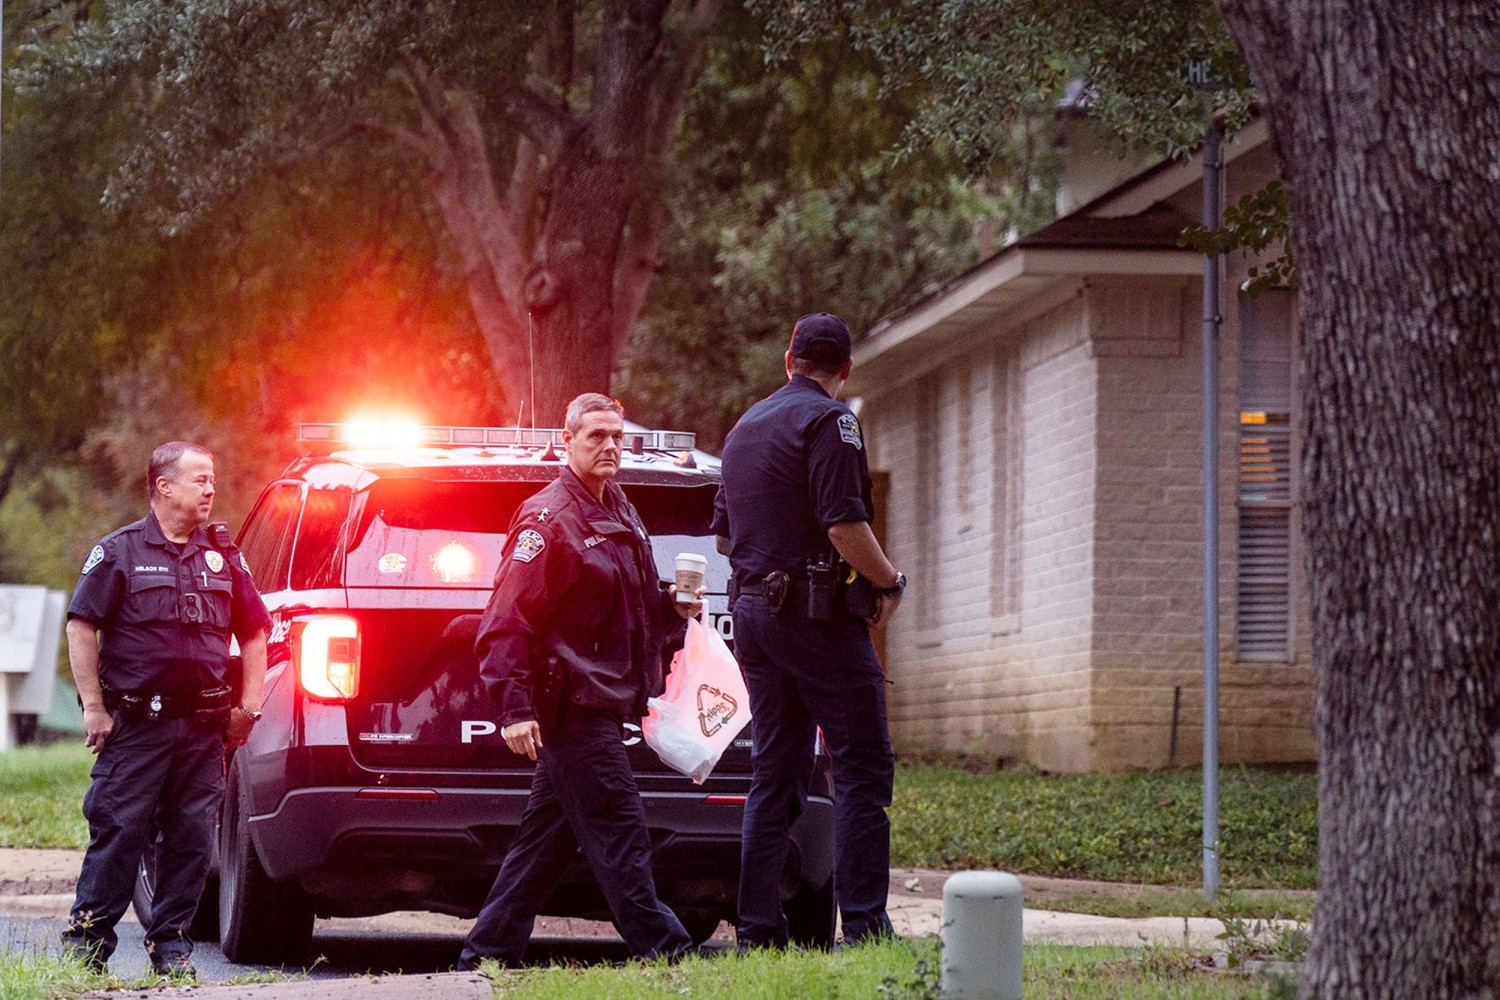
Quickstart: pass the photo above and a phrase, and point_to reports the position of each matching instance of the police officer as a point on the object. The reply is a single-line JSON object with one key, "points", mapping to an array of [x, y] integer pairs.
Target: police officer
{"points": [[148, 640], [795, 482], [570, 647]]}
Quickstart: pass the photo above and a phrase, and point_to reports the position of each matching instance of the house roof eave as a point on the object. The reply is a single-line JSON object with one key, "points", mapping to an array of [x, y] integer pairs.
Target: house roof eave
{"points": [[993, 298]]}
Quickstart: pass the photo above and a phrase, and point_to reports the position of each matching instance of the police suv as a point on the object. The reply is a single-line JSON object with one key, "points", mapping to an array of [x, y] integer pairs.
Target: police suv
{"points": [[377, 779]]}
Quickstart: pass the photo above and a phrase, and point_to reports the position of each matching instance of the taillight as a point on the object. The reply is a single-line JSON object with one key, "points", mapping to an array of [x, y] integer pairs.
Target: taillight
{"points": [[325, 651]]}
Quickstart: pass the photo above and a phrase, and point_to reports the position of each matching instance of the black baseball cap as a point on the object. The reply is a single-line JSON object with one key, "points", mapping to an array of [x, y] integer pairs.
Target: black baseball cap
{"points": [[821, 337]]}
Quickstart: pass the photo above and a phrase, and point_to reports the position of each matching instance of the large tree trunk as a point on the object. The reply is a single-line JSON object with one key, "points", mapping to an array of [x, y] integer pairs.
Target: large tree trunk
{"points": [[1386, 117], [557, 266]]}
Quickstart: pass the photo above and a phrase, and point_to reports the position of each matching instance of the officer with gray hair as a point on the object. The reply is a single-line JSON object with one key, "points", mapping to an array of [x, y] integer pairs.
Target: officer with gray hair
{"points": [[570, 649], [148, 641]]}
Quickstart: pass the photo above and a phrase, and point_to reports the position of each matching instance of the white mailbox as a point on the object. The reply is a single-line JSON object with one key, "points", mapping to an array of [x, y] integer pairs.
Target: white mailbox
{"points": [[31, 625]]}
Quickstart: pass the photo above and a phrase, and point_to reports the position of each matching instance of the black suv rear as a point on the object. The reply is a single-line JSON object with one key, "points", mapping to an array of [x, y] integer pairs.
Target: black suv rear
{"points": [[377, 779]]}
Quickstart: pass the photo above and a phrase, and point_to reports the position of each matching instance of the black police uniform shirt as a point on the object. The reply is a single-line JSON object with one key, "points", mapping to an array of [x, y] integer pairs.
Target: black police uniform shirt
{"points": [[577, 591], [134, 588], [794, 466]]}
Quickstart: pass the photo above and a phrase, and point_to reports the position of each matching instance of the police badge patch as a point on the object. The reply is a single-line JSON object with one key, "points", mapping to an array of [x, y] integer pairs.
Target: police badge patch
{"points": [[529, 545], [215, 561], [96, 556], [849, 430]]}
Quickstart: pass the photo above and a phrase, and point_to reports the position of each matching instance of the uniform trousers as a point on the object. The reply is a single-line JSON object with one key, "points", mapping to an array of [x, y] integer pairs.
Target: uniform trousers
{"points": [[583, 796], [152, 774], [803, 675]]}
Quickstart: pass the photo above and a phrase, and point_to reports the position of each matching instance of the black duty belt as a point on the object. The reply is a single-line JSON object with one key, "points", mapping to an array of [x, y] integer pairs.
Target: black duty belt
{"points": [[153, 705], [758, 588]]}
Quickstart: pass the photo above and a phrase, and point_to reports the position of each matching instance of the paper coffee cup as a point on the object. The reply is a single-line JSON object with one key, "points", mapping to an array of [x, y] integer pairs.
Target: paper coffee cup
{"points": [[690, 567]]}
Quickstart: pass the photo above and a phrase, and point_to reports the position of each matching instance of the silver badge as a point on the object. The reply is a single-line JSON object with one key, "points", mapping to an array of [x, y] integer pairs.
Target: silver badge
{"points": [[215, 561], [156, 703]]}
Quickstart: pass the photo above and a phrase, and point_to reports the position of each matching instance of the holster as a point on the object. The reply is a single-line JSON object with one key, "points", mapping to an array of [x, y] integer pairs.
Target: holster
{"points": [[778, 591], [858, 596], [548, 691]]}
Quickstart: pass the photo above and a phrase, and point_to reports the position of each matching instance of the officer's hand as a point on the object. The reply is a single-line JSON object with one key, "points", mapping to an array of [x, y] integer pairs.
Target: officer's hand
{"points": [[237, 729], [98, 724], [884, 608], [523, 738], [690, 609]]}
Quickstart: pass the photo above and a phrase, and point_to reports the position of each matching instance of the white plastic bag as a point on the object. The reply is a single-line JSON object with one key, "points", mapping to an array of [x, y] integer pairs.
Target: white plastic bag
{"points": [[703, 708]]}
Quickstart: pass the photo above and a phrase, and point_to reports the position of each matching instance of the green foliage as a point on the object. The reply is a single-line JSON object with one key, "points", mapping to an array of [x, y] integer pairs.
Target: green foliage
{"points": [[897, 970], [787, 200], [999, 67], [1257, 223], [1143, 826], [1247, 939], [41, 796], [29, 973], [1231, 904], [225, 90]]}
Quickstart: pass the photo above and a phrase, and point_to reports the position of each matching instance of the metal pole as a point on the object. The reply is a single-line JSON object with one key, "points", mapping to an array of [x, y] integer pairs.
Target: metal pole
{"points": [[1212, 173]]}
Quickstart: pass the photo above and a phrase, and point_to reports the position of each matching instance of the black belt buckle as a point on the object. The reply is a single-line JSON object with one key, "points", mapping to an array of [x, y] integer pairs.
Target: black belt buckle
{"points": [[778, 590]]}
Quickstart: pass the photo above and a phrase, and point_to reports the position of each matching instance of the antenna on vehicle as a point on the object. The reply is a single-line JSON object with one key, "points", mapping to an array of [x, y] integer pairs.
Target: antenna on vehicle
{"points": [[531, 357]]}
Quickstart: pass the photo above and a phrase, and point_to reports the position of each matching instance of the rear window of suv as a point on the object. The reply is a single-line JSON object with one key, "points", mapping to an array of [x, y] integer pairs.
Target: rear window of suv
{"points": [[422, 533]]}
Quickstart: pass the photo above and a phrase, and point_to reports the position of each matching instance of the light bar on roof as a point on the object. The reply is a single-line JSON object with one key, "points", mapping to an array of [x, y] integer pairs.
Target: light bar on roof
{"points": [[481, 437]]}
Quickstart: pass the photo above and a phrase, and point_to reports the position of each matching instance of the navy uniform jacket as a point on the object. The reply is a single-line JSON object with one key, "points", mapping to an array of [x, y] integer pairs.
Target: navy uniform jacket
{"points": [[794, 466], [577, 593], [132, 588]]}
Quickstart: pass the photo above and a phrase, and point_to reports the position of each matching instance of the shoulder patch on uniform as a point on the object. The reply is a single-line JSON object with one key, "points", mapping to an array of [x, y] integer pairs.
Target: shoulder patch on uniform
{"points": [[529, 545], [244, 564], [849, 430], [214, 559], [96, 556]]}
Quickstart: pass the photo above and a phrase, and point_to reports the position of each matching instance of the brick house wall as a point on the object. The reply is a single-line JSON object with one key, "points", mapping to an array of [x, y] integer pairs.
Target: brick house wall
{"points": [[1039, 422], [992, 653]]}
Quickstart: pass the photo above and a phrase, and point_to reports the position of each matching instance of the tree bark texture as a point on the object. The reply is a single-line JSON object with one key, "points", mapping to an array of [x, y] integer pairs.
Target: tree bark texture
{"points": [[1386, 118], [558, 263]]}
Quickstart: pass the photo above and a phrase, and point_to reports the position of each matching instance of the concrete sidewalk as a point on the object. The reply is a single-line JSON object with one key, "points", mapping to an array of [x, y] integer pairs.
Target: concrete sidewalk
{"points": [[37, 883]]}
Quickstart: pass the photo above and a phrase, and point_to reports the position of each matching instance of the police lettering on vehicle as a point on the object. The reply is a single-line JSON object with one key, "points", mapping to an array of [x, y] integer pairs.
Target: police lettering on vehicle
{"points": [[469, 729]]}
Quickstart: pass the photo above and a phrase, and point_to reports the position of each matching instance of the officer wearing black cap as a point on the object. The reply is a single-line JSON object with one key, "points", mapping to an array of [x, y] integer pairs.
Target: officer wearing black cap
{"points": [[810, 579], [570, 648], [148, 631]]}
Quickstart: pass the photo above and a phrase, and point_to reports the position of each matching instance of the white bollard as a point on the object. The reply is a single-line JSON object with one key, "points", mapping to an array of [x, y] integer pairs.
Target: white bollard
{"points": [[982, 936]]}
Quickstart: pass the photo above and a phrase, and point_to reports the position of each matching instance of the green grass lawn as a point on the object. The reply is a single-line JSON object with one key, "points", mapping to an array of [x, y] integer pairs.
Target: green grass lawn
{"points": [[41, 795], [1140, 826], [901, 970]]}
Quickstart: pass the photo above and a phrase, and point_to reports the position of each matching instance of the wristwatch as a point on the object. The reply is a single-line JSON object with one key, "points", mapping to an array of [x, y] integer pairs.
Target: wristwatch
{"points": [[252, 716], [894, 591]]}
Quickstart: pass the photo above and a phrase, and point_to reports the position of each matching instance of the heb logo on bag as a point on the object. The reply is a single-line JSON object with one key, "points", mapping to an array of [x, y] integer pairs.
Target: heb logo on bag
{"points": [[715, 708]]}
